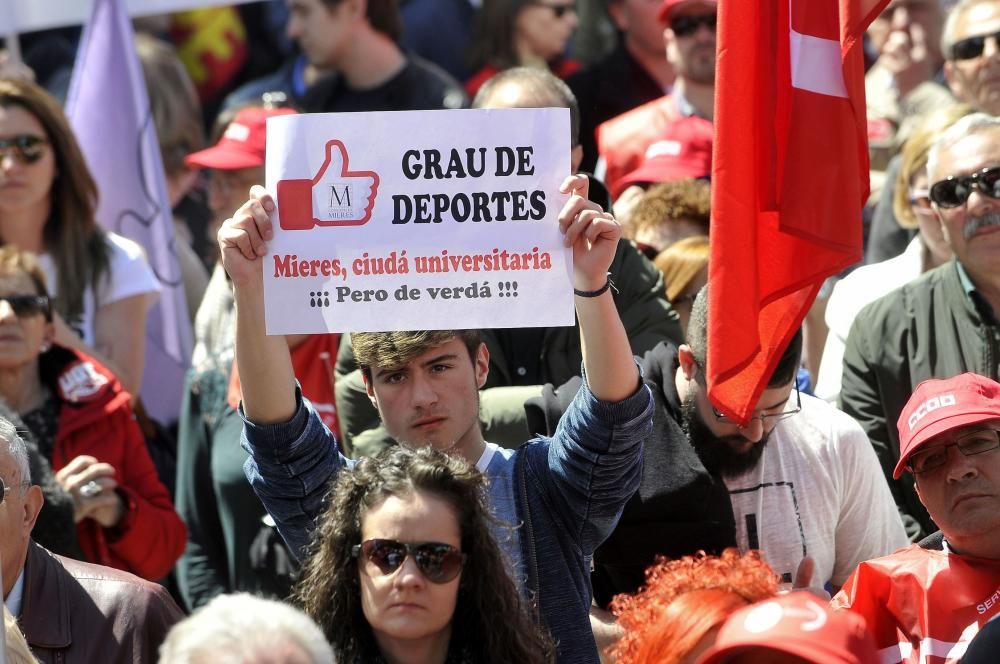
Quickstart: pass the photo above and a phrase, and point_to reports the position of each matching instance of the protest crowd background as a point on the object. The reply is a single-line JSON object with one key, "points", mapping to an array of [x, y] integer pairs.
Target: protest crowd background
{"points": [[178, 487]]}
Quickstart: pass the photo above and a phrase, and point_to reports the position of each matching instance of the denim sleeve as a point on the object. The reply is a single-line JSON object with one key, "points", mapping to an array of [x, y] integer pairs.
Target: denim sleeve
{"points": [[291, 467], [595, 462]]}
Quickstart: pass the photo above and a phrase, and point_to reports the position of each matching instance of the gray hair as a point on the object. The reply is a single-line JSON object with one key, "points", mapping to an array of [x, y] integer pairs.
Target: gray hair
{"points": [[16, 448], [951, 21], [970, 125], [543, 88], [243, 629]]}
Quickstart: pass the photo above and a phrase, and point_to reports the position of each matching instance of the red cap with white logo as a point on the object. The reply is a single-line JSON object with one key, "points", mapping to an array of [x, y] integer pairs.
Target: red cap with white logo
{"points": [[797, 624], [938, 406]]}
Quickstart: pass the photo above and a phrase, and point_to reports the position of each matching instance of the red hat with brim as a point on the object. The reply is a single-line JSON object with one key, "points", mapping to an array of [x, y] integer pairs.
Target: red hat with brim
{"points": [[682, 151], [242, 144], [938, 406], [799, 624]]}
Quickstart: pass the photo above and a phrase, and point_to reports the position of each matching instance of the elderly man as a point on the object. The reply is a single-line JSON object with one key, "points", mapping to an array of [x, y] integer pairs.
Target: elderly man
{"points": [[943, 323], [972, 53], [926, 602], [70, 611]]}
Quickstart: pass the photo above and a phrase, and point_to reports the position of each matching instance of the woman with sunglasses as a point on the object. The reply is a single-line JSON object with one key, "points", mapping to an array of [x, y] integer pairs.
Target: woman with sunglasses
{"points": [[101, 282], [404, 569], [82, 423], [514, 33]]}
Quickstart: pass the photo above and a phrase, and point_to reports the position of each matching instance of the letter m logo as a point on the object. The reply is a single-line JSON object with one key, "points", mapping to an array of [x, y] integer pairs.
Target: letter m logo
{"points": [[340, 196]]}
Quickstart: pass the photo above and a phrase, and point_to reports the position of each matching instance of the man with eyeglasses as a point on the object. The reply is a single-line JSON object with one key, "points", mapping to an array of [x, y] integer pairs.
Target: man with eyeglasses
{"points": [[799, 482], [972, 52], [689, 35], [70, 611], [943, 323], [926, 602]]}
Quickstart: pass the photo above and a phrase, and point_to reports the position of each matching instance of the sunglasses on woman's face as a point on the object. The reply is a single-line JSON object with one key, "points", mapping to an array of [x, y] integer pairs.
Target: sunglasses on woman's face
{"points": [[27, 305], [26, 148], [954, 191], [438, 562]]}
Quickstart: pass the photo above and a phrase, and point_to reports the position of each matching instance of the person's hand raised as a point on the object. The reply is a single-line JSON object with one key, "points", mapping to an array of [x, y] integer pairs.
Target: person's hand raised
{"points": [[243, 238], [592, 232]]}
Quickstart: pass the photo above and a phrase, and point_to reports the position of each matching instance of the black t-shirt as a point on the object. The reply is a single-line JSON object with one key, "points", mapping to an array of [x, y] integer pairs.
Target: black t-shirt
{"points": [[419, 86]]}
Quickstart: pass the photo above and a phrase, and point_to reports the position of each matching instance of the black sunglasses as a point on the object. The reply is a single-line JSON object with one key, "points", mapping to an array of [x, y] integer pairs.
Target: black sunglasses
{"points": [[28, 305], [954, 191], [559, 10], [972, 47], [438, 562], [688, 25], [26, 148]]}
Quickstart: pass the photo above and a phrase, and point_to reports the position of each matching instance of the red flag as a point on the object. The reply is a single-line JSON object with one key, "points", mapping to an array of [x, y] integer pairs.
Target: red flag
{"points": [[789, 178]]}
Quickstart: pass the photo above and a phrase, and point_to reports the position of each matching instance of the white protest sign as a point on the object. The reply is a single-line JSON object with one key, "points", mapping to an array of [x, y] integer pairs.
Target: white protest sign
{"points": [[30, 15], [417, 220]]}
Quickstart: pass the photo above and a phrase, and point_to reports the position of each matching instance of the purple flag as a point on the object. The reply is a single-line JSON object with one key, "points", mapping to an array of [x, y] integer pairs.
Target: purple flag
{"points": [[109, 110]]}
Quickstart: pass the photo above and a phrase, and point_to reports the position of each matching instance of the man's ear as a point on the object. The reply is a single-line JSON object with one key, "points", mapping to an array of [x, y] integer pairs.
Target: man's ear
{"points": [[482, 365], [951, 77], [33, 501], [689, 367], [369, 389]]}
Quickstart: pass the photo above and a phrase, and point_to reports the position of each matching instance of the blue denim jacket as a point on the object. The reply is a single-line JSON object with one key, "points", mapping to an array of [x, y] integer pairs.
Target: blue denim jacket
{"points": [[570, 489]]}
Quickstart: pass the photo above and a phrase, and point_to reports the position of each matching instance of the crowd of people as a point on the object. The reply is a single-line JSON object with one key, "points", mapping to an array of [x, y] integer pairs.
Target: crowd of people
{"points": [[564, 494]]}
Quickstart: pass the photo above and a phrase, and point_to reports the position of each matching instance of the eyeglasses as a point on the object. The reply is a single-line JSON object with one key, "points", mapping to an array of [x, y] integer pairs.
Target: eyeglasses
{"points": [[766, 419], [688, 25], [558, 10], [5, 489], [26, 148], [975, 442], [438, 562], [954, 191], [28, 305], [972, 47]]}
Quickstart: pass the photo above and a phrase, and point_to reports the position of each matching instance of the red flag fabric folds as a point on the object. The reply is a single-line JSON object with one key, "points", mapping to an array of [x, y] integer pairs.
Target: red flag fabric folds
{"points": [[789, 178]]}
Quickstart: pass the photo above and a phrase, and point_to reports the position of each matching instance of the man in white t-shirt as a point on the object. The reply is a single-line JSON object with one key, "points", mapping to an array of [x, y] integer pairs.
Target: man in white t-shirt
{"points": [[802, 477]]}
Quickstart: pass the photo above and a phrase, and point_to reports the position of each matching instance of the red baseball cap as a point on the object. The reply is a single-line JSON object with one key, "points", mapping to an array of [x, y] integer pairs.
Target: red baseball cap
{"points": [[670, 5], [682, 150], [799, 624], [937, 406], [242, 144]]}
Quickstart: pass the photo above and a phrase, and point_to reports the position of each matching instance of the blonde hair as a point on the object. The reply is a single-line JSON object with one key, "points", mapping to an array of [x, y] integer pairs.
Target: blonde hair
{"points": [[17, 648], [913, 157], [681, 262]]}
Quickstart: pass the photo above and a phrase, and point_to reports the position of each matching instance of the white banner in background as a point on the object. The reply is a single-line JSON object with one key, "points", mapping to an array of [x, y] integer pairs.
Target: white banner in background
{"points": [[18, 16], [417, 220]]}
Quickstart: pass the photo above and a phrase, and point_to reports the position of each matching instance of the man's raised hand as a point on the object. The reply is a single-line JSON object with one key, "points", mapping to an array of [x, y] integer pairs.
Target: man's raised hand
{"points": [[243, 238]]}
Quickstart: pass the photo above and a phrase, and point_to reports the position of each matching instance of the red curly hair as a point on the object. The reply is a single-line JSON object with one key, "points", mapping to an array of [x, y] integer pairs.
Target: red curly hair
{"points": [[685, 599]]}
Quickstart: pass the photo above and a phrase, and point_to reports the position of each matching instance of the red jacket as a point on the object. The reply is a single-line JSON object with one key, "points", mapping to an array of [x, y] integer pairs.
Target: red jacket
{"points": [[923, 606], [95, 418]]}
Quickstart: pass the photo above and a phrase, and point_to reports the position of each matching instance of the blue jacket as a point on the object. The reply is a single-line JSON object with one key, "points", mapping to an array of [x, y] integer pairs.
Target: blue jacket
{"points": [[570, 491]]}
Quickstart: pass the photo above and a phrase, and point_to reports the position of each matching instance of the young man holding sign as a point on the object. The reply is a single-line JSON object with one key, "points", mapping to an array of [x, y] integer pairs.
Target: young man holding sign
{"points": [[566, 492]]}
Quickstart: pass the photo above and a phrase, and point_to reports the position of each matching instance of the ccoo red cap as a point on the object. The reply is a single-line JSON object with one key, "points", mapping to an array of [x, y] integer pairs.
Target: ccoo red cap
{"points": [[937, 406], [669, 6], [682, 150], [798, 624]]}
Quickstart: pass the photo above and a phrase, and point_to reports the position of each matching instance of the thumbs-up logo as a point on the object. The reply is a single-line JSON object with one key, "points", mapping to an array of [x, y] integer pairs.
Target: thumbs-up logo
{"points": [[335, 196]]}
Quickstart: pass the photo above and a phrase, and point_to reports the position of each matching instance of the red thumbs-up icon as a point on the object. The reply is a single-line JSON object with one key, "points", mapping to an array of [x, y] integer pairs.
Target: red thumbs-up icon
{"points": [[335, 196]]}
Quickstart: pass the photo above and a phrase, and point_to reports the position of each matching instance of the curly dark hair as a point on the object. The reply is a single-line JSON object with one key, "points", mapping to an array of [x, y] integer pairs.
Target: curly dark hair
{"points": [[491, 622]]}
